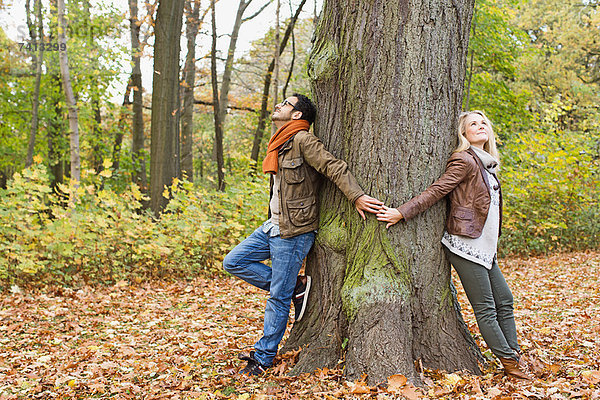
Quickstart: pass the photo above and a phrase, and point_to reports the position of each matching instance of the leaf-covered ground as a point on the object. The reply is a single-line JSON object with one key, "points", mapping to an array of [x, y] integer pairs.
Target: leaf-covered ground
{"points": [[179, 341]]}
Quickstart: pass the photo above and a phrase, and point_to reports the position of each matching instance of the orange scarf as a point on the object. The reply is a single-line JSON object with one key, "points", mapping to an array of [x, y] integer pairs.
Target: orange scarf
{"points": [[283, 134]]}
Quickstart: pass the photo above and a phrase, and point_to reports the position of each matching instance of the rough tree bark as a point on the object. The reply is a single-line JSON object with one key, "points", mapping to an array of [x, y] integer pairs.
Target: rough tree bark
{"points": [[388, 80], [471, 54], [262, 118], [137, 126], [164, 162], [69, 97]]}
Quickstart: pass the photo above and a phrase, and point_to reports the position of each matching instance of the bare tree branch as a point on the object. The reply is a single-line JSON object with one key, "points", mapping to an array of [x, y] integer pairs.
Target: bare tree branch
{"points": [[248, 18]]}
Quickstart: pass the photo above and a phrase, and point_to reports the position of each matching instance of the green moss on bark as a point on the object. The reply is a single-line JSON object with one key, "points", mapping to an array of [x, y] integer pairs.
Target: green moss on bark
{"points": [[324, 61], [374, 274], [332, 231]]}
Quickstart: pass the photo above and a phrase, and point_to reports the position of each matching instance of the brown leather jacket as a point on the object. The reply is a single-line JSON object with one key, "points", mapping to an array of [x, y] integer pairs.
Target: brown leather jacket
{"points": [[302, 160], [468, 187]]}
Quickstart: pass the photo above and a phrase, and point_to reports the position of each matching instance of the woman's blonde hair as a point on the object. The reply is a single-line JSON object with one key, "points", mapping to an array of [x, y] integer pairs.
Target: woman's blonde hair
{"points": [[463, 143]]}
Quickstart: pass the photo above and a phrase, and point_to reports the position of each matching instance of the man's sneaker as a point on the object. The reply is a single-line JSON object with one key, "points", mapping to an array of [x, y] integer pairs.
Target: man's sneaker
{"points": [[300, 297], [253, 368]]}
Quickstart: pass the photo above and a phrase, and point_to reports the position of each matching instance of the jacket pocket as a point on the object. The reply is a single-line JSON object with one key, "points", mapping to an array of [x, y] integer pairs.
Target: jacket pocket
{"points": [[462, 222], [464, 213], [302, 211], [292, 173]]}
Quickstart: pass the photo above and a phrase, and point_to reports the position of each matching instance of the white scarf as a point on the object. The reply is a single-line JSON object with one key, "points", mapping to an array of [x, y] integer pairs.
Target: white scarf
{"points": [[489, 161]]}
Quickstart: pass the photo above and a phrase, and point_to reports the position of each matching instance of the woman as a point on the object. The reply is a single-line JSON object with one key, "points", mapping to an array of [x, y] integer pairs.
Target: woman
{"points": [[471, 234]]}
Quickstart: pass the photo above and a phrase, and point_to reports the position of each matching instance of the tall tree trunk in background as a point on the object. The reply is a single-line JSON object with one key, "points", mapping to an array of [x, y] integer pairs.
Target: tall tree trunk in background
{"points": [[56, 136], [220, 106], [187, 116], [388, 81], [97, 135], [37, 63], [3, 179], [56, 132], [226, 80], [216, 107], [137, 126], [164, 163], [291, 68], [262, 118], [116, 152], [276, 58], [69, 96]]}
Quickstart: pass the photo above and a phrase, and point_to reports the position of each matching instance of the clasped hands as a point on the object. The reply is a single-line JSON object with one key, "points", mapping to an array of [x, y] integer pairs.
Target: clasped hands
{"points": [[374, 206]]}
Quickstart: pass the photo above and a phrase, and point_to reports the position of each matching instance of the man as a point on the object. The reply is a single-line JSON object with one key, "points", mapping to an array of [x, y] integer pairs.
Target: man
{"points": [[296, 159]]}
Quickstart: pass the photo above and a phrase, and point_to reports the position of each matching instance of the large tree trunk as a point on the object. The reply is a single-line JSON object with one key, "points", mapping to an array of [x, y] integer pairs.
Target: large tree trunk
{"points": [[69, 97], [164, 163], [187, 116], [137, 126], [471, 53], [262, 118], [388, 80]]}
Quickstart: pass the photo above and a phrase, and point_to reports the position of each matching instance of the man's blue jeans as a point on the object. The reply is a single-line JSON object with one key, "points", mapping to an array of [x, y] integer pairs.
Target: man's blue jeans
{"points": [[286, 255]]}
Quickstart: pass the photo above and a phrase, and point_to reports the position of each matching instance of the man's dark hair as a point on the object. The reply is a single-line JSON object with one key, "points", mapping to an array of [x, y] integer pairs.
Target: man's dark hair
{"points": [[305, 106]]}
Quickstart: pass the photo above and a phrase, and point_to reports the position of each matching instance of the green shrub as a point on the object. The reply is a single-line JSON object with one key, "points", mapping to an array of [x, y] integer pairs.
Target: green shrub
{"points": [[106, 236], [551, 191]]}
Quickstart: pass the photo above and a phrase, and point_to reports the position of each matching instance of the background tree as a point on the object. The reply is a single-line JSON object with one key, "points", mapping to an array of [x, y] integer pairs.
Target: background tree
{"points": [[532, 69], [69, 95], [216, 107], [565, 73], [192, 25], [36, 39], [164, 145], [260, 126], [386, 81], [14, 108], [137, 126], [495, 48], [222, 94]]}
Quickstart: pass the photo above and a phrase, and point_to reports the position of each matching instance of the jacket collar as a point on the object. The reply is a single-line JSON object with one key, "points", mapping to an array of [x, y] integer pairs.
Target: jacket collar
{"points": [[481, 167], [287, 145]]}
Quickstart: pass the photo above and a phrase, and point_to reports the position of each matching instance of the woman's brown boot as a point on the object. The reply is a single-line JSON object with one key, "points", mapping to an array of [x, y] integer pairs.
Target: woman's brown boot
{"points": [[513, 370]]}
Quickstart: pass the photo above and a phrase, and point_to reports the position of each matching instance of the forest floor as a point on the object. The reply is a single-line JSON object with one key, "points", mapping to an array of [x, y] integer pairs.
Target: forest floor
{"points": [[180, 341]]}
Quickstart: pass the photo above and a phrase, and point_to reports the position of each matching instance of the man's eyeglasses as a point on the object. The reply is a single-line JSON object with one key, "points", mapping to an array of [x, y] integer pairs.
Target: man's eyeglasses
{"points": [[285, 102]]}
